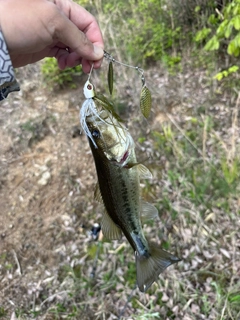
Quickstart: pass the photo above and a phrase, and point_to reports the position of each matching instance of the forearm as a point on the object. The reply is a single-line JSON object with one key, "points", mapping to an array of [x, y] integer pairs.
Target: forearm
{"points": [[8, 82]]}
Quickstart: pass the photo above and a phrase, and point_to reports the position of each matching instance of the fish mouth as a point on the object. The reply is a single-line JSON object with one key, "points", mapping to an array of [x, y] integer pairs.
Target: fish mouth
{"points": [[123, 160], [125, 157]]}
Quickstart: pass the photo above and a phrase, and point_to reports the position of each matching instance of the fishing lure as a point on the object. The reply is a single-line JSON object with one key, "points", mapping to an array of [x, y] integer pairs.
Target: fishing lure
{"points": [[89, 107], [110, 77], [145, 96], [145, 99]]}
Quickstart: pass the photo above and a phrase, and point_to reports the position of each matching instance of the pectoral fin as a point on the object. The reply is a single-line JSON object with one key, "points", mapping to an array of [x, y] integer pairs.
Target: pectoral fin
{"points": [[144, 172], [148, 211], [110, 230]]}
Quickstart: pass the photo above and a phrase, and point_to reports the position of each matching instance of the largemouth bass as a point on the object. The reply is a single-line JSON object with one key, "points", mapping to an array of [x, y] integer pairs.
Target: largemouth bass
{"points": [[118, 189]]}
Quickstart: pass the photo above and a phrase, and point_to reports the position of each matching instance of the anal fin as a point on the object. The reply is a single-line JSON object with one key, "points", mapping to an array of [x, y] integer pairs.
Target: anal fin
{"points": [[110, 230], [97, 194], [148, 211]]}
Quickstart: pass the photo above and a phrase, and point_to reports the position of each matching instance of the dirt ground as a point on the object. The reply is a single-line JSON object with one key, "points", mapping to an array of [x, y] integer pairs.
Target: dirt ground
{"points": [[46, 174], [47, 179]]}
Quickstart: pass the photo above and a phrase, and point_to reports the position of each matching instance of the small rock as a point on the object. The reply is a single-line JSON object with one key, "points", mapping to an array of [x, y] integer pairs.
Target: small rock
{"points": [[225, 253], [45, 178], [165, 298]]}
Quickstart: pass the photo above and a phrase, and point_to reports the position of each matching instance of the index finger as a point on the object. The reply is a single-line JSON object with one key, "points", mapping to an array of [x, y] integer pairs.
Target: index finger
{"points": [[83, 20], [67, 33]]}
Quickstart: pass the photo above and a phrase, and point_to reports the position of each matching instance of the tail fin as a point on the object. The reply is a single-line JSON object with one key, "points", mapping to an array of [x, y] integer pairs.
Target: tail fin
{"points": [[149, 268]]}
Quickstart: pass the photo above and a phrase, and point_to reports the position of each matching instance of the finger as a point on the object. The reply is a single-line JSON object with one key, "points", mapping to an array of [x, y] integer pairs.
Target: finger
{"points": [[66, 59], [86, 65], [66, 32], [83, 19]]}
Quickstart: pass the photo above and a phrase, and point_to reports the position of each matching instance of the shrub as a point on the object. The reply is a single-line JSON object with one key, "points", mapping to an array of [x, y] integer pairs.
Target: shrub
{"points": [[57, 78]]}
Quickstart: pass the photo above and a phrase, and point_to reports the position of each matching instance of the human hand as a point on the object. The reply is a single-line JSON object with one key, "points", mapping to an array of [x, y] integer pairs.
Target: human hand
{"points": [[35, 29]]}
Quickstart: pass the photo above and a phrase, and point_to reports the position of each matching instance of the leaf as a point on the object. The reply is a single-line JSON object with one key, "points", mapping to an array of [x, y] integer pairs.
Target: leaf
{"points": [[225, 253], [225, 73], [212, 44], [145, 101], [236, 22], [202, 34], [197, 9], [237, 40], [233, 49], [218, 76], [221, 29], [110, 77], [235, 298], [233, 69], [228, 30], [236, 9], [212, 19]]}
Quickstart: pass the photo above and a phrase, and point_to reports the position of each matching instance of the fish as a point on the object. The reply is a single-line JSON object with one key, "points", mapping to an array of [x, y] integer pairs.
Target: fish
{"points": [[118, 189]]}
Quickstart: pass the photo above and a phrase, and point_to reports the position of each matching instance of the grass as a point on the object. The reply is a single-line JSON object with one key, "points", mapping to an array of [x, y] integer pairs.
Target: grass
{"points": [[196, 197], [195, 164]]}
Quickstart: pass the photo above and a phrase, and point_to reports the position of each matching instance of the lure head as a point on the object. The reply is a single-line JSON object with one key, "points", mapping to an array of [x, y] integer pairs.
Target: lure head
{"points": [[88, 90]]}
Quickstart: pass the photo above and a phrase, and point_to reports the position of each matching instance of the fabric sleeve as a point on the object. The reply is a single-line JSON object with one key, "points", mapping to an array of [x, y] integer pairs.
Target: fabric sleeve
{"points": [[8, 82]]}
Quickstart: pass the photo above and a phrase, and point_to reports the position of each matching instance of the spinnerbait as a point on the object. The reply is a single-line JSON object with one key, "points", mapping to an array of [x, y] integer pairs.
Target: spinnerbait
{"points": [[145, 96]]}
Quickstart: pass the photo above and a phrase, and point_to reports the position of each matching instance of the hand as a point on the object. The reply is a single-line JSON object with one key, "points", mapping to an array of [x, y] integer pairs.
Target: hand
{"points": [[35, 29]]}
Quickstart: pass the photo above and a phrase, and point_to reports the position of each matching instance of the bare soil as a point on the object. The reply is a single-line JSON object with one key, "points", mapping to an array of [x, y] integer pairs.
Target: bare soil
{"points": [[47, 173], [47, 180]]}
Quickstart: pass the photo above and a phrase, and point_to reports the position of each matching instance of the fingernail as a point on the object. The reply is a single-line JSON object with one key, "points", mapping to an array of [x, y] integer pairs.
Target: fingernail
{"points": [[98, 52]]}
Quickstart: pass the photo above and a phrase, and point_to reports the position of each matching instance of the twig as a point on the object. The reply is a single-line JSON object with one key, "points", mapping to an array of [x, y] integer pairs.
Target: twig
{"points": [[19, 268], [94, 268], [234, 137], [182, 132], [224, 308], [53, 296]]}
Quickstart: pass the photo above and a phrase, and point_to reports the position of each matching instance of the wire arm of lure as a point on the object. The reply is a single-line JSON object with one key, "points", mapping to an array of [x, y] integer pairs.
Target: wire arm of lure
{"points": [[111, 59], [145, 97]]}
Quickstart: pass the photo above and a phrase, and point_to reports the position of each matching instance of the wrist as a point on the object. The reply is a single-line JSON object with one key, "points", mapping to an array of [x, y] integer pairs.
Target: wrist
{"points": [[6, 68], [8, 82]]}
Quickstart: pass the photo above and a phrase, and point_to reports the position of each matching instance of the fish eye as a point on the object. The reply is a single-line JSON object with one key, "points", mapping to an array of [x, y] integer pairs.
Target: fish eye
{"points": [[96, 133]]}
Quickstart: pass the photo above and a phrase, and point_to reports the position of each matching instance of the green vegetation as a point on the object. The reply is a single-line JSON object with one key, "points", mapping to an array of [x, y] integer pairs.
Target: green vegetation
{"points": [[159, 29], [3, 313], [56, 78], [221, 32]]}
